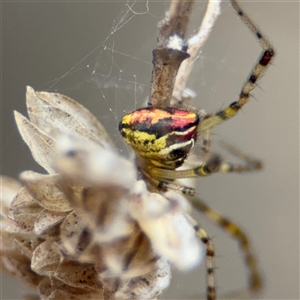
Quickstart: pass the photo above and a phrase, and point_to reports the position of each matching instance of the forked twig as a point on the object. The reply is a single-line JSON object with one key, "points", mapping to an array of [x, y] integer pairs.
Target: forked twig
{"points": [[173, 59]]}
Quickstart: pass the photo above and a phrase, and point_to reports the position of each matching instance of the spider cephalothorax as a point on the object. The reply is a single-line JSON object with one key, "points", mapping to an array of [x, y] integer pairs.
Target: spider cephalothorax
{"points": [[164, 136]]}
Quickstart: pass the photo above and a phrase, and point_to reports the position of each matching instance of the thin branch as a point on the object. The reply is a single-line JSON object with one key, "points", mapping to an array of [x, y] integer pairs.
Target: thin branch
{"points": [[175, 21], [166, 62], [171, 51], [195, 44]]}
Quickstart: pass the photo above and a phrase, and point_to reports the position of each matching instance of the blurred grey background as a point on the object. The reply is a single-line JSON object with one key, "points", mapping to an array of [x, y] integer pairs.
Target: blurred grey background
{"points": [[99, 53]]}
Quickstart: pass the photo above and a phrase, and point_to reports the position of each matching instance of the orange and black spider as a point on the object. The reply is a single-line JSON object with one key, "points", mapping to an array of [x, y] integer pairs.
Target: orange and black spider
{"points": [[162, 138]]}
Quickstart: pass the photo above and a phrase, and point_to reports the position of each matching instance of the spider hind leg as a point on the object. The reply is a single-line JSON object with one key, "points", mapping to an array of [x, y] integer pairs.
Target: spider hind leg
{"points": [[209, 261], [254, 278]]}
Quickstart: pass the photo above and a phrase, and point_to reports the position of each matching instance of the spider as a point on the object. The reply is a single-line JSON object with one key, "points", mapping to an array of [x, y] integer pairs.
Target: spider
{"points": [[162, 137]]}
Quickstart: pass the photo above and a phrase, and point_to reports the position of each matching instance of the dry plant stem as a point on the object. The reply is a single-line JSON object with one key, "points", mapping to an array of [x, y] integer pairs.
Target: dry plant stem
{"points": [[194, 45], [166, 62], [167, 58], [175, 22]]}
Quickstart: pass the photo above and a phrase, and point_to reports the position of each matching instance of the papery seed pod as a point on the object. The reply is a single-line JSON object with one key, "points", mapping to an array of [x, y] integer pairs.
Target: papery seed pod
{"points": [[86, 228]]}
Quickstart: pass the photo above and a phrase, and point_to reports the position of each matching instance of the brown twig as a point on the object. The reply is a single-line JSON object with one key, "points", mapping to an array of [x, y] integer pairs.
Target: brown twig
{"points": [[171, 51]]}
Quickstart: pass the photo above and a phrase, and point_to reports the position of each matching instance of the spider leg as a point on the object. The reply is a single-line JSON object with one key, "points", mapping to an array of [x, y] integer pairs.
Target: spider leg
{"points": [[250, 163], [254, 277], [258, 70], [209, 261], [206, 142], [214, 164]]}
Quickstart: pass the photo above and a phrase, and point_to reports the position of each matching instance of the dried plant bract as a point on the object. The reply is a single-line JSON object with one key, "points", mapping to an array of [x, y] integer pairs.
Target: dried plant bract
{"points": [[88, 228]]}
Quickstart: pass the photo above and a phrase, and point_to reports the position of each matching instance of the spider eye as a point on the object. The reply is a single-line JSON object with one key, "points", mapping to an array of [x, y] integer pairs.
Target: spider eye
{"points": [[163, 135]]}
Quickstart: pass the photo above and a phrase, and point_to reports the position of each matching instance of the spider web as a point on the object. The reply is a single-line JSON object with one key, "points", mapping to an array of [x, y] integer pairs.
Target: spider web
{"points": [[103, 63], [114, 77]]}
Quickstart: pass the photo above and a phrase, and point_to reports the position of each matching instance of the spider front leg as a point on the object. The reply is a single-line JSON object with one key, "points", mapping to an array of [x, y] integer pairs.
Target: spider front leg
{"points": [[258, 70]]}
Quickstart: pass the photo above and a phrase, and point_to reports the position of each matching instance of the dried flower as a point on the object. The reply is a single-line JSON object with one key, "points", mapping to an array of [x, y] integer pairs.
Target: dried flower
{"points": [[89, 228]]}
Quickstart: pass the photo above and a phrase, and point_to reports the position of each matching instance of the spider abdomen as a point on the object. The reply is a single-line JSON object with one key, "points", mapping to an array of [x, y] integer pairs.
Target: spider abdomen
{"points": [[164, 136]]}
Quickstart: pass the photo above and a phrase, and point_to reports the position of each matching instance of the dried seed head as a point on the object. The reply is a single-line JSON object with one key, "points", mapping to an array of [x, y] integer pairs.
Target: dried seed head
{"points": [[89, 228]]}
